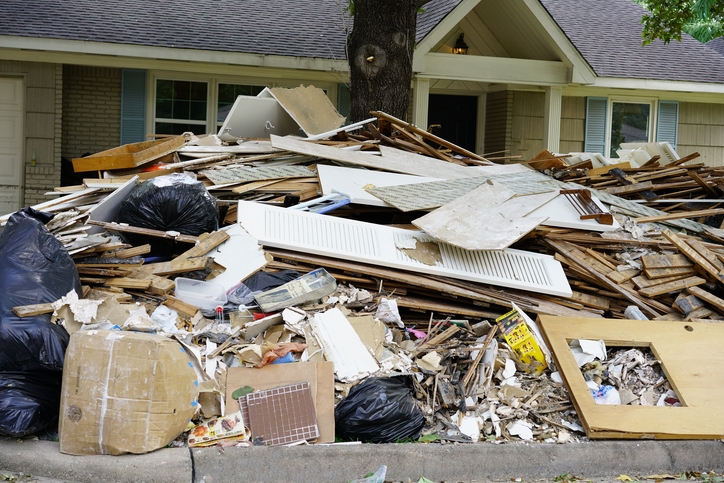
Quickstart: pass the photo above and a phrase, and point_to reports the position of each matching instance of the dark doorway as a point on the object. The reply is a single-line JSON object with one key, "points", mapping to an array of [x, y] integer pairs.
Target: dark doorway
{"points": [[457, 116]]}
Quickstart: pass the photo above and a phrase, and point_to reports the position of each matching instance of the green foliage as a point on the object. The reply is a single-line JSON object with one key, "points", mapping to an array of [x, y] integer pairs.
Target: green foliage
{"points": [[667, 19]]}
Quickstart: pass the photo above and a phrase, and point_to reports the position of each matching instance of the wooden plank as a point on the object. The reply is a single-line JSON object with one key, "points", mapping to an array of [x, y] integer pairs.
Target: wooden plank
{"points": [[708, 297], [126, 282], [679, 215], [666, 261], [702, 250], [677, 285], [177, 266], [431, 137], [683, 160], [643, 281], [392, 159], [442, 307], [589, 300], [158, 285], [701, 391], [133, 252], [606, 169], [103, 272], [657, 273], [206, 243], [703, 183], [693, 255], [628, 189], [33, 310], [180, 306], [180, 237]]}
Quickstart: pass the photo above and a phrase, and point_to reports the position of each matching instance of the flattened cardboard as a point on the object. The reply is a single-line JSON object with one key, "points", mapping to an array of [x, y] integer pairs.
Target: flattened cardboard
{"points": [[124, 392], [321, 381], [691, 358]]}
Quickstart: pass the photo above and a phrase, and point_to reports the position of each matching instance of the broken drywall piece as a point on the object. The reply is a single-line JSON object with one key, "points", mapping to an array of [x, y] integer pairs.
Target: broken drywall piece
{"points": [[491, 217], [228, 255], [84, 310], [309, 106], [586, 351], [427, 252], [342, 345]]}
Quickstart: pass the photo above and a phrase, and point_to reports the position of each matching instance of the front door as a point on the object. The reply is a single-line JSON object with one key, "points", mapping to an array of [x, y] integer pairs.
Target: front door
{"points": [[457, 117], [11, 144]]}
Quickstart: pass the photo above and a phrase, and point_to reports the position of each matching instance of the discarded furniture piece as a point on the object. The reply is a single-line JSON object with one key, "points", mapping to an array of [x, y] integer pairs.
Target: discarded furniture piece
{"points": [[129, 155]]}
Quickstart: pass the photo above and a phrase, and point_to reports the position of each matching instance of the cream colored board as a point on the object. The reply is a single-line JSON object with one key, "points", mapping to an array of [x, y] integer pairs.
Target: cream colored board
{"points": [[309, 106], [391, 159], [691, 353], [240, 255], [561, 214], [491, 217], [353, 181], [107, 209]]}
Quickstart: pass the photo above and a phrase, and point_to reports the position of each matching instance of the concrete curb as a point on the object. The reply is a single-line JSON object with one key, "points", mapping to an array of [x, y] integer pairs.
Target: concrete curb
{"points": [[342, 463], [42, 458]]}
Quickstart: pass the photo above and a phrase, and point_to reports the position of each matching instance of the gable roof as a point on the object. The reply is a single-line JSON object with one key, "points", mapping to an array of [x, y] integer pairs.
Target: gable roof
{"points": [[300, 28], [717, 44], [607, 33]]}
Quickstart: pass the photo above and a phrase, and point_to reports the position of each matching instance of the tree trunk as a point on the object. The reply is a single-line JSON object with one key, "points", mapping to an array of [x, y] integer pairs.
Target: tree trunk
{"points": [[380, 49]]}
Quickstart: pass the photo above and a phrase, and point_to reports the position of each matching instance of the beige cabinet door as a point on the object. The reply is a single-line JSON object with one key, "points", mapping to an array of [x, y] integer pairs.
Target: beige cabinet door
{"points": [[11, 144]]}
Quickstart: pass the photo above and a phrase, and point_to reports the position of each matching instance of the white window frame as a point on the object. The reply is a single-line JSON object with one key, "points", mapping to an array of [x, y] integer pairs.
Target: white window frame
{"points": [[213, 81], [653, 114]]}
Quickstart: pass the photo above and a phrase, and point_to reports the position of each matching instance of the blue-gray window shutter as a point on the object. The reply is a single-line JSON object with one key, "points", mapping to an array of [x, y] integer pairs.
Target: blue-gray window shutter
{"points": [[595, 137], [343, 100], [667, 125], [133, 106]]}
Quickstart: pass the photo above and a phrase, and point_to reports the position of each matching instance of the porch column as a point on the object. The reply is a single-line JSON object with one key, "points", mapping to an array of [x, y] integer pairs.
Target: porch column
{"points": [[420, 102], [552, 119]]}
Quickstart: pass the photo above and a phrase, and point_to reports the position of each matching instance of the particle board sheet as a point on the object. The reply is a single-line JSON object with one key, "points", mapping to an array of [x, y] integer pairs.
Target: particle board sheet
{"points": [[283, 415], [691, 356], [378, 245], [353, 181], [392, 159], [244, 174], [491, 217], [638, 209], [426, 196]]}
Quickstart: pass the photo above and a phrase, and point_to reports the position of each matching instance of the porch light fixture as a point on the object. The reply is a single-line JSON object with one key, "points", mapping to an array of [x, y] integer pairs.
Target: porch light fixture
{"points": [[460, 46]]}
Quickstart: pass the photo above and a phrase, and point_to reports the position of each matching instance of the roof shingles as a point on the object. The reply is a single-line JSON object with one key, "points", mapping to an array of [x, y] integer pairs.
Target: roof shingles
{"points": [[608, 35]]}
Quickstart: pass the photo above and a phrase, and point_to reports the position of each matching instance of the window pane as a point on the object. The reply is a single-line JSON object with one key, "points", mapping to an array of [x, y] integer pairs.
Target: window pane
{"points": [[629, 124], [174, 100], [228, 94], [178, 128]]}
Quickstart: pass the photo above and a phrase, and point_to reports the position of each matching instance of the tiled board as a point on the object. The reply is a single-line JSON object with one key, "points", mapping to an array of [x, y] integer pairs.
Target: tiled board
{"points": [[283, 415], [242, 174]]}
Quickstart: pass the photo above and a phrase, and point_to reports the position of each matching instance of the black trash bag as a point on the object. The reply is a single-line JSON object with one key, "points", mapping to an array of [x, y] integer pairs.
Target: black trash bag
{"points": [[378, 410], [35, 268], [176, 202], [29, 402]]}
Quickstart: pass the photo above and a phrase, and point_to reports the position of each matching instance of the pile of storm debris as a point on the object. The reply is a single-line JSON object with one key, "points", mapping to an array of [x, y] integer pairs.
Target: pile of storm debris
{"points": [[310, 270]]}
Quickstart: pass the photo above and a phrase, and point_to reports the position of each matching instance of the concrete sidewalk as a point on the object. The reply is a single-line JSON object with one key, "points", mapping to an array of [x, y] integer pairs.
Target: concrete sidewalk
{"points": [[342, 463]]}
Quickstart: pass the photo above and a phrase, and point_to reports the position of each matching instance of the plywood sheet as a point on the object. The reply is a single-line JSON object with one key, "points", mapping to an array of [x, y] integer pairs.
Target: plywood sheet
{"points": [[491, 217], [378, 245], [691, 356], [392, 159]]}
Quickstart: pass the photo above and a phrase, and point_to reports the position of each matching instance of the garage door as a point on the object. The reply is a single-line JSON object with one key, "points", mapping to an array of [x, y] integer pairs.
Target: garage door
{"points": [[11, 144]]}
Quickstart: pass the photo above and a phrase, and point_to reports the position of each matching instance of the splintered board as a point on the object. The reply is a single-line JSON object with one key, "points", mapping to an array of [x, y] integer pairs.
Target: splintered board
{"points": [[378, 245], [691, 355], [283, 415]]}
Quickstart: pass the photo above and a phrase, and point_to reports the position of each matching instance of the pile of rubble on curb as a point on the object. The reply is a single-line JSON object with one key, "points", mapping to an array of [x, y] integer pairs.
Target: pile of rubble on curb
{"points": [[469, 296]]}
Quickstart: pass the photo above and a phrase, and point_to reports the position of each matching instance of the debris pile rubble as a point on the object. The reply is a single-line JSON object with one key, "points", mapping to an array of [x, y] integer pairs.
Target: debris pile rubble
{"points": [[291, 269]]}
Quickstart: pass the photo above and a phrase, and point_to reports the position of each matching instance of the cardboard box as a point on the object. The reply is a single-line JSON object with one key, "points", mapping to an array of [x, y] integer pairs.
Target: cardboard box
{"points": [[124, 392], [321, 381]]}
